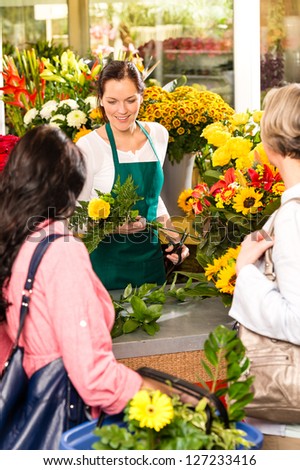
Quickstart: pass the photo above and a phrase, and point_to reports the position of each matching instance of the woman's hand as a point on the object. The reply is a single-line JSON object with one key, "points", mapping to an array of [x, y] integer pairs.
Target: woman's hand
{"points": [[175, 257], [253, 247], [132, 227]]}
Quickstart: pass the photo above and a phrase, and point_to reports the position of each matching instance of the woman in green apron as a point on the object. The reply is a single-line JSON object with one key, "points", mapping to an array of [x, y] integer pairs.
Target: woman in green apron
{"points": [[122, 147]]}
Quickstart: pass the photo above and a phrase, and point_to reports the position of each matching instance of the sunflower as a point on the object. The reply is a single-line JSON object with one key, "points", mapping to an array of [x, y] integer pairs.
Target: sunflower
{"points": [[247, 201], [153, 409], [226, 279], [185, 200], [212, 269], [98, 209]]}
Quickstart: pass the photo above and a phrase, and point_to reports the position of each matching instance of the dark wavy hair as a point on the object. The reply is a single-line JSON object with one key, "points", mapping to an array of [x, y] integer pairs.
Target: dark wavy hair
{"points": [[42, 179], [118, 70]]}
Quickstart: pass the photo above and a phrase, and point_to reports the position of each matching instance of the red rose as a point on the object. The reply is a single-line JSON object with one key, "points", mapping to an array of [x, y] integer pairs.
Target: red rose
{"points": [[7, 142]]}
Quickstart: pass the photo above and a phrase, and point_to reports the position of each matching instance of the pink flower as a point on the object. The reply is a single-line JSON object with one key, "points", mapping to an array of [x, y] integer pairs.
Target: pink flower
{"points": [[7, 142]]}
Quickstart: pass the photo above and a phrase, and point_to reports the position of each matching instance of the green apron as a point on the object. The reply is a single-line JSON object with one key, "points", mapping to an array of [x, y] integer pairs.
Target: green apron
{"points": [[134, 258]]}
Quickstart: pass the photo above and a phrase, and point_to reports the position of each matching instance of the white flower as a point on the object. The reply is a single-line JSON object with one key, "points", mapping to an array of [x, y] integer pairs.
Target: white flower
{"points": [[92, 101], [57, 120], [76, 118], [72, 103], [30, 115], [48, 108]]}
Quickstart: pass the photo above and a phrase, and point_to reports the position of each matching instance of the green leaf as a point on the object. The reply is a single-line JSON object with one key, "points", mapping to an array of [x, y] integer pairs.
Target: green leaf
{"points": [[130, 325], [151, 328], [139, 307], [171, 86]]}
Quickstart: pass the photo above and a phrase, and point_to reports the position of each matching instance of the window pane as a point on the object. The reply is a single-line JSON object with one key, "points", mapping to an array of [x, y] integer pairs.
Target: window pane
{"points": [[193, 38], [27, 22]]}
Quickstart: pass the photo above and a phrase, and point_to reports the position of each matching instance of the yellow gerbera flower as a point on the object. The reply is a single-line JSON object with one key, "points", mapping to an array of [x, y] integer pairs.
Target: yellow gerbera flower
{"points": [[98, 209], [247, 201], [186, 200], [153, 409]]}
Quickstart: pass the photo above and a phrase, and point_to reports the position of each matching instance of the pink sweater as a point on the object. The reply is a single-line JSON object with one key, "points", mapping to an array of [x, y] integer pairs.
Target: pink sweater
{"points": [[71, 315]]}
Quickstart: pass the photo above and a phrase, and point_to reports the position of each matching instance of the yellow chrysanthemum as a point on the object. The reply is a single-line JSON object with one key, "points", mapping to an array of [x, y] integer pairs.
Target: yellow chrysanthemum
{"points": [[98, 209], [247, 201], [186, 200], [180, 131], [83, 131], [151, 409], [226, 279]]}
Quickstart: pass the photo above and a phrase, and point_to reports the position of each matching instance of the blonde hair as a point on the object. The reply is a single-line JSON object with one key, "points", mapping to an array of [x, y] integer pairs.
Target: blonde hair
{"points": [[280, 124]]}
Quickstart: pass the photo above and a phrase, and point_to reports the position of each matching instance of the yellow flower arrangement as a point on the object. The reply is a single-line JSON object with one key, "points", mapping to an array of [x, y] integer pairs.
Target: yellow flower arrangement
{"points": [[184, 112], [240, 189]]}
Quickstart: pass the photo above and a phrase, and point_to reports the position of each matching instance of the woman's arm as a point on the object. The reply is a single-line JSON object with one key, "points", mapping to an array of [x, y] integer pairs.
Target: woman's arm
{"points": [[267, 307]]}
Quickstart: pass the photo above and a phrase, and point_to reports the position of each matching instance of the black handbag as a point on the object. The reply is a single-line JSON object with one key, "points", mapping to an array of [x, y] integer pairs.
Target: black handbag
{"points": [[35, 412]]}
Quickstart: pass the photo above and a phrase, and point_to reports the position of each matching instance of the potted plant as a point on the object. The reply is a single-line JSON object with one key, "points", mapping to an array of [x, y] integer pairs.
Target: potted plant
{"points": [[155, 421]]}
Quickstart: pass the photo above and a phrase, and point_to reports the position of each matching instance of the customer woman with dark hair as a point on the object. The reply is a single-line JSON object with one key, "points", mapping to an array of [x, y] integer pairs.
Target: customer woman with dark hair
{"points": [[71, 313], [122, 147]]}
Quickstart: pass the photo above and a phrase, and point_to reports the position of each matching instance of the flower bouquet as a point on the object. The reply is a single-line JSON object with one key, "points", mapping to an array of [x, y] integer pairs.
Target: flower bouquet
{"points": [[184, 112], [59, 91], [156, 421], [101, 216], [240, 189]]}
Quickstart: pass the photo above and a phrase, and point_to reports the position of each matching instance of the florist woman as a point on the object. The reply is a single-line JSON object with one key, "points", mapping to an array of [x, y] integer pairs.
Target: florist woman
{"points": [[123, 147]]}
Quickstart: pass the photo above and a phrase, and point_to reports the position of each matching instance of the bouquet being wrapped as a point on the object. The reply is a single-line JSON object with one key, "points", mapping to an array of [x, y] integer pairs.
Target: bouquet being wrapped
{"points": [[101, 216]]}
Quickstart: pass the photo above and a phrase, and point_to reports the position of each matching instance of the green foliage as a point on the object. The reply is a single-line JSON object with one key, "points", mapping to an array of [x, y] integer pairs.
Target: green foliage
{"points": [[121, 211], [141, 307], [188, 429]]}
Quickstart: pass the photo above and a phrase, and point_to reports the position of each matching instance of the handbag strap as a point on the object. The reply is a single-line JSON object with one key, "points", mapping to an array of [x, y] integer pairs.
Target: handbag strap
{"points": [[269, 264], [33, 266]]}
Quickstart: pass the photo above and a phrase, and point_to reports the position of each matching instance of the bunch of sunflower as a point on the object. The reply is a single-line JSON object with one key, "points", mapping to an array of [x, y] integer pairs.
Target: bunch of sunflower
{"points": [[184, 112], [239, 191]]}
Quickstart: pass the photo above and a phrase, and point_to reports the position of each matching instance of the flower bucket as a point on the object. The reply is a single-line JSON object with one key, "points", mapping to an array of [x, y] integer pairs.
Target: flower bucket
{"points": [[82, 437]]}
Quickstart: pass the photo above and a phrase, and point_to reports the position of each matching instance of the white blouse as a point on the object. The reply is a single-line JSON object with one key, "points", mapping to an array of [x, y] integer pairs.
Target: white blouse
{"points": [[267, 307], [100, 164]]}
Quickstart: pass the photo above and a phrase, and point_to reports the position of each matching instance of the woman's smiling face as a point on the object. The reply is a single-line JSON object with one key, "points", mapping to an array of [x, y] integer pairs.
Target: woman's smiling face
{"points": [[121, 101]]}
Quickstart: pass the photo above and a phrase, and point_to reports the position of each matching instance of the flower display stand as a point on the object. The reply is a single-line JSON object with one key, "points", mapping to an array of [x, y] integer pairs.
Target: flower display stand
{"points": [[178, 176]]}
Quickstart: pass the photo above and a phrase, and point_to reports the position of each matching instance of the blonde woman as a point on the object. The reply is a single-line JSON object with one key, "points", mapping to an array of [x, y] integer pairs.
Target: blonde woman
{"points": [[267, 307]]}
